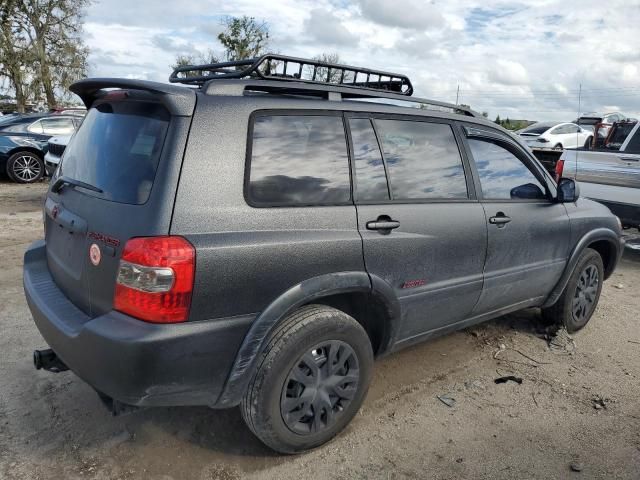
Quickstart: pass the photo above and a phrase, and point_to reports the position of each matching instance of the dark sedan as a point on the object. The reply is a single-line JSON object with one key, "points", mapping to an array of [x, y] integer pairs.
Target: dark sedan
{"points": [[23, 143]]}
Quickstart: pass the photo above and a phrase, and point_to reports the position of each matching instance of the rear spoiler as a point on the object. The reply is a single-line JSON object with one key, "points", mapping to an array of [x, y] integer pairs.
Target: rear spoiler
{"points": [[179, 101]]}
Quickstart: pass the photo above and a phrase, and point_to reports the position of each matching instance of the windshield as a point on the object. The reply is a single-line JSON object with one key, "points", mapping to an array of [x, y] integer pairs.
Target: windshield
{"points": [[117, 149], [537, 128]]}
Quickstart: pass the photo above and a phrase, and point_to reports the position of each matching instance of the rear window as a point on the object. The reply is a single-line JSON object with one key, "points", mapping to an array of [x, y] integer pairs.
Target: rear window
{"points": [[299, 160], [537, 128], [619, 135], [117, 149]]}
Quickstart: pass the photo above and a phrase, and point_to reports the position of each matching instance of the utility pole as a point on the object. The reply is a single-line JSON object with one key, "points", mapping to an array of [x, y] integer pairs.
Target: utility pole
{"points": [[457, 94]]}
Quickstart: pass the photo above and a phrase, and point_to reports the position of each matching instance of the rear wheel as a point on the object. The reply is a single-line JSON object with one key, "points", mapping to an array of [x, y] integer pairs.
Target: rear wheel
{"points": [[580, 297], [587, 143], [25, 167], [310, 380], [557, 146]]}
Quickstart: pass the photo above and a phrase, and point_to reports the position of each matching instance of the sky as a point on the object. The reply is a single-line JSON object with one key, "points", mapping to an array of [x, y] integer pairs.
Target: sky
{"points": [[519, 60]]}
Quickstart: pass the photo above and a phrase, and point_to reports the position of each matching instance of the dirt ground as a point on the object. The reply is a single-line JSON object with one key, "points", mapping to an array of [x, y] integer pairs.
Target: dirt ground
{"points": [[581, 408]]}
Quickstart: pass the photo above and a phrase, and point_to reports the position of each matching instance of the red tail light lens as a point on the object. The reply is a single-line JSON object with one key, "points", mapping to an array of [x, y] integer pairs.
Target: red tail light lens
{"points": [[559, 169], [155, 279]]}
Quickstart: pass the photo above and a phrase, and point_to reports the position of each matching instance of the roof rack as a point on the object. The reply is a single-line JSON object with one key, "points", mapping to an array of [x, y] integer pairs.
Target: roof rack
{"points": [[284, 68]]}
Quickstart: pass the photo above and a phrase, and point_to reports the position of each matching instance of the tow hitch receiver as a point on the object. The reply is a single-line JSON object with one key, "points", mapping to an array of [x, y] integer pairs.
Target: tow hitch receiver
{"points": [[49, 361]]}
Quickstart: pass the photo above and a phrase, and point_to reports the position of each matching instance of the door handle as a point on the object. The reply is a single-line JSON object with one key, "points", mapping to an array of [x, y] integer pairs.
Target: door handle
{"points": [[382, 224], [630, 159], [500, 219]]}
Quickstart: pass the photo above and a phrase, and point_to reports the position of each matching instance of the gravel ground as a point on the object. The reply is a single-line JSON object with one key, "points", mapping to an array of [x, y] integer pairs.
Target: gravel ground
{"points": [[575, 407]]}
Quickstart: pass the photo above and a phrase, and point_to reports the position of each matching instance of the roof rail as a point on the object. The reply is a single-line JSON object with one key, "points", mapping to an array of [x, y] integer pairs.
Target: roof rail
{"points": [[284, 68], [327, 91]]}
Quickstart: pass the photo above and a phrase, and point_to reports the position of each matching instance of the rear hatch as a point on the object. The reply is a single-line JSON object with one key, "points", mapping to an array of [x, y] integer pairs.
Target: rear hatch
{"points": [[117, 180]]}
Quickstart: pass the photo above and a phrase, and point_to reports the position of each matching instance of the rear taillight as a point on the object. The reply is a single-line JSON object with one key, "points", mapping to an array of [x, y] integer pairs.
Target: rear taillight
{"points": [[155, 279], [559, 170]]}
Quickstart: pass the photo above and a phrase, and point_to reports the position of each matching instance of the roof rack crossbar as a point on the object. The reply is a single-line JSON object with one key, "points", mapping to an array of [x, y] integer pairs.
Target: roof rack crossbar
{"points": [[275, 67]]}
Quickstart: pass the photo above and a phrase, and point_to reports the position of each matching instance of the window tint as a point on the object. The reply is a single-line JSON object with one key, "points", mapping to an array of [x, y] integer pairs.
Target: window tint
{"points": [[117, 149], [573, 128], [422, 159], [299, 160], [371, 180], [57, 126], [502, 174]]}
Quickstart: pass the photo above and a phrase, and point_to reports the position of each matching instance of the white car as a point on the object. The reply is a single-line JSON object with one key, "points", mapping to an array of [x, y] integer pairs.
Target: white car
{"points": [[555, 135], [55, 149]]}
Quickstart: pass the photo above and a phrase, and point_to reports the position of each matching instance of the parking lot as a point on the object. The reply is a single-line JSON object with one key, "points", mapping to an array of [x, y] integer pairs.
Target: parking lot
{"points": [[577, 406]]}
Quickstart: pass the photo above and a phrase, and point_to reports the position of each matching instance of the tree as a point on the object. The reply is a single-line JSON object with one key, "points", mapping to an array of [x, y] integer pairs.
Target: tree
{"points": [[15, 56], [323, 73], [186, 60], [498, 121], [244, 38], [41, 47], [54, 29]]}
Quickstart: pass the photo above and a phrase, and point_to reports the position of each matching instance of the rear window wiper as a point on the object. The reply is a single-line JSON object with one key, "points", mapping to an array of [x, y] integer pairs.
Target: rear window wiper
{"points": [[61, 182]]}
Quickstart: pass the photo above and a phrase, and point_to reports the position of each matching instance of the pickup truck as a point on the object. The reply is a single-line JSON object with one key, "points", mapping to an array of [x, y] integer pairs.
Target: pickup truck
{"points": [[609, 174]]}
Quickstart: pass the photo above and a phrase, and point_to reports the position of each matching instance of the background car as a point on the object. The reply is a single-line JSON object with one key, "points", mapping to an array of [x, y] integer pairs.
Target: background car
{"points": [[55, 149], [555, 135], [23, 143], [599, 124]]}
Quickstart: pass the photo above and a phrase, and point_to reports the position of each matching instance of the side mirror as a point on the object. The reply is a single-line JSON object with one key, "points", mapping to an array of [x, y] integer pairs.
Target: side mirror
{"points": [[528, 191], [568, 190]]}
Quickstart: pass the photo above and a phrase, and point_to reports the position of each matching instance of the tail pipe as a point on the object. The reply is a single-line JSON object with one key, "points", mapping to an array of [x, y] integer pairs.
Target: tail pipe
{"points": [[49, 361]]}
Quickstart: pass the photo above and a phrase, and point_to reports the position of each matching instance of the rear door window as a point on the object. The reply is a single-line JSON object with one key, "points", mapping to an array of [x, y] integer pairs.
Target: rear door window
{"points": [[423, 160], [298, 160], [35, 127], [371, 179], [117, 149]]}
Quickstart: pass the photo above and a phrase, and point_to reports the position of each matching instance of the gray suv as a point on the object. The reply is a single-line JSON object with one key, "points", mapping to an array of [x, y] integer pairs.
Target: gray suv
{"points": [[261, 235]]}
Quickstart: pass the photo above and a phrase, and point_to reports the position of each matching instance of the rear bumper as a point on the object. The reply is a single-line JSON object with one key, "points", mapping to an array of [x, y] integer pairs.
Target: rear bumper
{"points": [[135, 362], [51, 163]]}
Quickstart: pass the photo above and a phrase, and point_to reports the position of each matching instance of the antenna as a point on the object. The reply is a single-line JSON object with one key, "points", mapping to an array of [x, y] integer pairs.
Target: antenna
{"points": [[575, 178]]}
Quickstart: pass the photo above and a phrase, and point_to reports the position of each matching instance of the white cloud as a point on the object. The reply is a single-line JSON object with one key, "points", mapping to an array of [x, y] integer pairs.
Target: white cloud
{"points": [[412, 14], [523, 60], [325, 27], [507, 72]]}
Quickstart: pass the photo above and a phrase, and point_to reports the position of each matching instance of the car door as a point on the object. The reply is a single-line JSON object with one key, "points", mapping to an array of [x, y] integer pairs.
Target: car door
{"points": [[573, 138], [565, 136], [423, 231], [528, 232]]}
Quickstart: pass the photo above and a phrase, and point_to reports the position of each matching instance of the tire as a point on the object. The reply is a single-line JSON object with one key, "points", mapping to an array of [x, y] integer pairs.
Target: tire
{"points": [[25, 167], [558, 146], [580, 297], [587, 143], [273, 406]]}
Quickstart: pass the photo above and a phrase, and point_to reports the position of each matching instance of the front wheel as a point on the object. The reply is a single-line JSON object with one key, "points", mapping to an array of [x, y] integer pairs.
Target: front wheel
{"points": [[580, 297], [25, 167], [310, 381]]}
